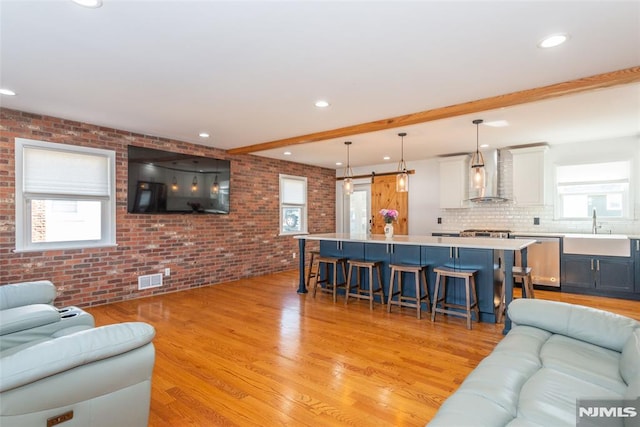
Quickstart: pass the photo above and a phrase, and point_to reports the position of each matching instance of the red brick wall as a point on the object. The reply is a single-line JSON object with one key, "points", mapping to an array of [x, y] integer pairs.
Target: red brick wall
{"points": [[200, 249]]}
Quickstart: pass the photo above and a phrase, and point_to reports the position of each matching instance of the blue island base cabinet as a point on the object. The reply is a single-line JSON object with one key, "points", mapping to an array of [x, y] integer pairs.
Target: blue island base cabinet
{"points": [[488, 278], [486, 261]]}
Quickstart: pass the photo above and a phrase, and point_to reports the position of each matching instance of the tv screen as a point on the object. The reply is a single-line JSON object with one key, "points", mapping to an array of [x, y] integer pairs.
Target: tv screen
{"points": [[165, 182]]}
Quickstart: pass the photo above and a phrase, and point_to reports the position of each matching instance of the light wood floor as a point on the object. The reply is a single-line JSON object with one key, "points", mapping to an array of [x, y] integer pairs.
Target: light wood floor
{"points": [[255, 353]]}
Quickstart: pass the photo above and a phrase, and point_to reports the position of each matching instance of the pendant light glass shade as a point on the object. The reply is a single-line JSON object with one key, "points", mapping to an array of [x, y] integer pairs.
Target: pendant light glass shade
{"points": [[477, 161], [194, 184], [174, 184], [215, 188], [347, 182], [402, 178]]}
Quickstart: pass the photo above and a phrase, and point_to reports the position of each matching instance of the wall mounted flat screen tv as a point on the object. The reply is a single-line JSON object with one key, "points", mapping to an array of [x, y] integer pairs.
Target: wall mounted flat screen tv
{"points": [[165, 182]]}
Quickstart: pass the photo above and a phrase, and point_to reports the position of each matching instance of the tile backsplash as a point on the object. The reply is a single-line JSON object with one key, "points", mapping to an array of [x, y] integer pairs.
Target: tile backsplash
{"points": [[508, 216]]}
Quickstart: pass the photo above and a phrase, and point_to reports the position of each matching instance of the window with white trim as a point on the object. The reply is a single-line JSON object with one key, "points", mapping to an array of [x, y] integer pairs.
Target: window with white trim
{"points": [[293, 204], [65, 196], [601, 186]]}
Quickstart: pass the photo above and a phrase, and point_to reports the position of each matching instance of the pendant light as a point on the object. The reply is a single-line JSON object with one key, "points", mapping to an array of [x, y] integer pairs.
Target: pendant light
{"points": [[215, 188], [477, 160], [194, 183], [347, 183], [174, 184], [402, 178]]}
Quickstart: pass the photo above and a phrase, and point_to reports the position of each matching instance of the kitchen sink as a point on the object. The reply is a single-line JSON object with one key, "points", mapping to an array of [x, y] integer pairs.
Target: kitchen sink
{"points": [[597, 244]]}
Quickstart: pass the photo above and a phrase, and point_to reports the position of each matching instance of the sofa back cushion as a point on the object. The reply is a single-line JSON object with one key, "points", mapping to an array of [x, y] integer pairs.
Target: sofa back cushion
{"points": [[598, 327]]}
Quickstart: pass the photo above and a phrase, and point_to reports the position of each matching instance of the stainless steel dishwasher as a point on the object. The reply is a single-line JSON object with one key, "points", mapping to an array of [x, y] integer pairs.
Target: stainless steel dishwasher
{"points": [[544, 259]]}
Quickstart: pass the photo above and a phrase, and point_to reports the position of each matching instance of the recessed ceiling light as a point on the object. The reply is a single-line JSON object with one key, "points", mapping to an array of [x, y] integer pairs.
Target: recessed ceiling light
{"points": [[7, 92], [553, 40], [89, 3], [204, 135], [484, 145], [497, 123], [287, 153], [338, 163], [322, 103], [387, 157]]}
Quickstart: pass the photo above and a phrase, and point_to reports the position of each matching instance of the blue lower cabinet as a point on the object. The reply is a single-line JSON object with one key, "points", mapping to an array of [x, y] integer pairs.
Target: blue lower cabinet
{"points": [[486, 261]]}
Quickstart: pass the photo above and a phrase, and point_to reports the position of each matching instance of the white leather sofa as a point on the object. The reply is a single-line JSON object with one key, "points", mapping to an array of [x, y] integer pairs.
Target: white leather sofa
{"points": [[27, 314], [555, 354]]}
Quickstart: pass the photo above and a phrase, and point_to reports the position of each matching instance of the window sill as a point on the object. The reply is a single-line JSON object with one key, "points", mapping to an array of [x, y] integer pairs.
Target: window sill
{"points": [[65, 248]]}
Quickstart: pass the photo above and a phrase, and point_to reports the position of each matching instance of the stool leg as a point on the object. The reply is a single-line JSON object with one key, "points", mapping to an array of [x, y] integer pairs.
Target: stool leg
{"points": [[380, 285], [501, 307], [467, 285], [391, 288], [529, 281], [418, 295], [317, 277], [335, 281], [310, 272], [435, 297], [348, 286], [344, 274], [370, 288], [476, 309], [425, 284]]}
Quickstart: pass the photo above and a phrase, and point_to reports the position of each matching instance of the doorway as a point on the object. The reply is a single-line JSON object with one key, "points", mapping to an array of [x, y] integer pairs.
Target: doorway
{"points": [[358, 210]]}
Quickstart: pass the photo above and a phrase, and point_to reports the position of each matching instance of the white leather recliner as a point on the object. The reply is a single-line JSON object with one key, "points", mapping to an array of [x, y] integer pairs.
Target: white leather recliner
{"points": [[27, 314], [57, 369], [98, 377]]}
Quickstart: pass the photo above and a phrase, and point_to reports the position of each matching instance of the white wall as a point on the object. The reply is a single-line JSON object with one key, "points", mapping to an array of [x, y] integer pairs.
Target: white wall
{"points": [[424, 190]]}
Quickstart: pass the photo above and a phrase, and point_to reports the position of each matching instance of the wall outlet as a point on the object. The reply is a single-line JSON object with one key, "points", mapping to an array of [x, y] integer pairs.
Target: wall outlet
{"points": [[167, 272], [439, 220], [294, 255], [536, 220]]}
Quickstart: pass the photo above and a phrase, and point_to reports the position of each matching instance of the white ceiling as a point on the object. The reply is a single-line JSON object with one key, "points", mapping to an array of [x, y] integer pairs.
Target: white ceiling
{"points": [[249, 72]]}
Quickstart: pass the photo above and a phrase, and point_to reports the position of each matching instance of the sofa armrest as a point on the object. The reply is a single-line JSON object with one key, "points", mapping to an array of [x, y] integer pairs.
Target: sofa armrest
{"points": [[29, 316], [25, 293], [61, 354], [588, 324]]}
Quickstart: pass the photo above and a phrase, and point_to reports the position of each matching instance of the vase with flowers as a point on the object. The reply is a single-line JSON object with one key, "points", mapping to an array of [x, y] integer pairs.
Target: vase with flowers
{"points": [[389, 216]]}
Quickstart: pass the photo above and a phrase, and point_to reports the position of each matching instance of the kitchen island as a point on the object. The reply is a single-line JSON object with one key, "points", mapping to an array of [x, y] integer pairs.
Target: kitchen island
{"points": [[490, 256]]}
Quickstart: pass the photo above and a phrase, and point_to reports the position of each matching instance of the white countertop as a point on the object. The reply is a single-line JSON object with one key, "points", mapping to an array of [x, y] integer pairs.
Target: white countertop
{"points": [[456, 242]]}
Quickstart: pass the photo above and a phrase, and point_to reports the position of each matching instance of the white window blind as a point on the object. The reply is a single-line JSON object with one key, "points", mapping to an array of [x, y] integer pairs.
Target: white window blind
{"points": [[293, 191], [64, 172]]}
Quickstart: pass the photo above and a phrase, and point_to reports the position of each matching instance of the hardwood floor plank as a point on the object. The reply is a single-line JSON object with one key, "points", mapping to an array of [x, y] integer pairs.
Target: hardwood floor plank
{"points": [[255, 353]]}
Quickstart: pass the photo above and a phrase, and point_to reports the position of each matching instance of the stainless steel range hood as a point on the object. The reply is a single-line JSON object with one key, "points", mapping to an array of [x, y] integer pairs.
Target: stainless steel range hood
{"points": [[490, 192]]}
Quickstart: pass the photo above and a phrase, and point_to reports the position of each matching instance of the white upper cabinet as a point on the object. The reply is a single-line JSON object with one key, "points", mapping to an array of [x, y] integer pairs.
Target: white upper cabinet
{"points": [[454, 184], [529, 172]]}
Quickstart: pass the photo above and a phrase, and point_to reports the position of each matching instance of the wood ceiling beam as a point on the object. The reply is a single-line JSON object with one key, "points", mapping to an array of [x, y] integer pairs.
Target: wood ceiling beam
{"points": [[599, 81]]}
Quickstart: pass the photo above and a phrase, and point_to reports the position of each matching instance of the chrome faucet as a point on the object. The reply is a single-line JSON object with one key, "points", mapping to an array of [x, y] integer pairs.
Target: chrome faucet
{"points": [[594, 224]]}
